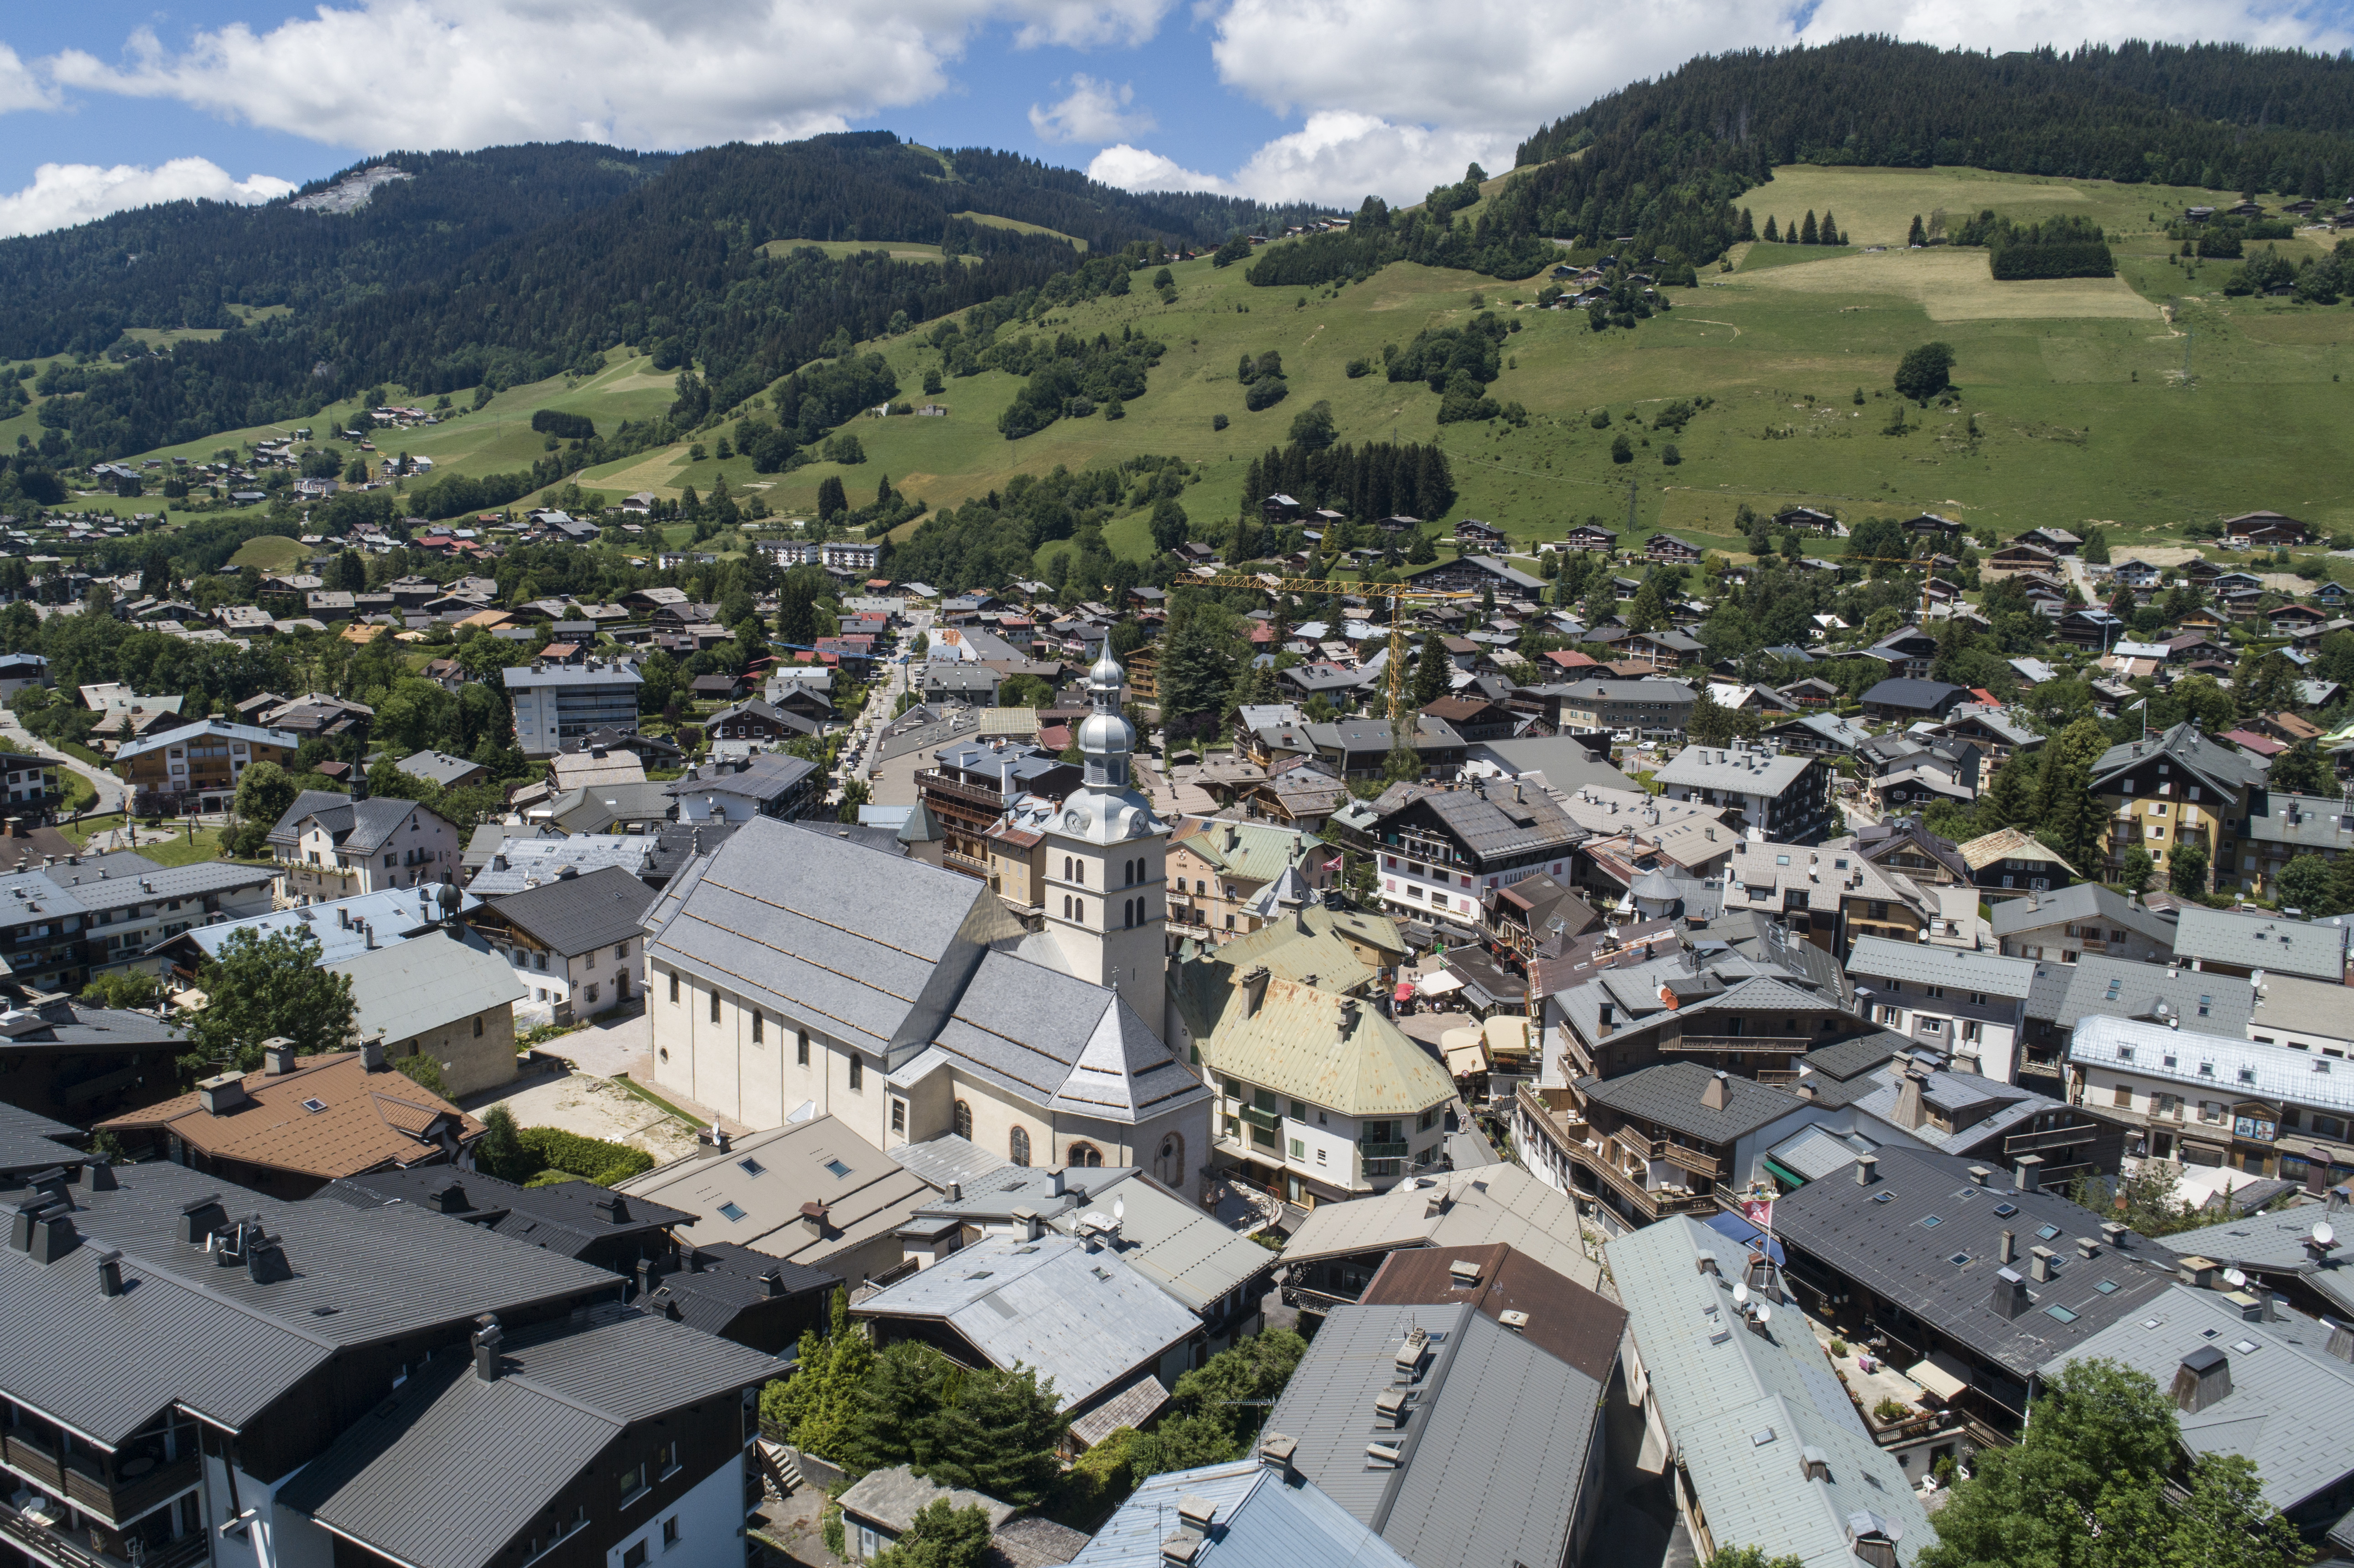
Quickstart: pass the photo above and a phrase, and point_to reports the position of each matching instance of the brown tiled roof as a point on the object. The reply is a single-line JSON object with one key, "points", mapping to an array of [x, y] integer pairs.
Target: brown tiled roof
{"points": [[1565, 1319], [369, 1119]]}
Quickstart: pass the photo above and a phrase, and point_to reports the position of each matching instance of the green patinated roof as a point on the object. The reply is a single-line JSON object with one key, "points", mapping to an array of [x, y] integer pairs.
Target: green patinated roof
{"points": [[1252, 852], [1292, 1044]]}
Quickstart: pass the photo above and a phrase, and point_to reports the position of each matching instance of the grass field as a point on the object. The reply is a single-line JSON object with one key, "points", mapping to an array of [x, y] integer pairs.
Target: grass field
{"points": [[990, 221], [2083, 412], [897, 249], [270, 552]]}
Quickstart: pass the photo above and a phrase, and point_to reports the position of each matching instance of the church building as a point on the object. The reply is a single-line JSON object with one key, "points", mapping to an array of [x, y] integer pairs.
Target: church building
{"points": [[791, 974]]}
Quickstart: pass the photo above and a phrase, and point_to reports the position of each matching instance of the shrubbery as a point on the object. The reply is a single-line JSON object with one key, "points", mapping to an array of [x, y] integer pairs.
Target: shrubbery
{"points": [[563, 425]]}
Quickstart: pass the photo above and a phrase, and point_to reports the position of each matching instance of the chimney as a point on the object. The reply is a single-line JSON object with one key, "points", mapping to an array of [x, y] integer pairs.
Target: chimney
{"points": [[2039, 1263], [1196, 1512], [2203, 1380], [1910, 1112], [1866, 1170], [2341, 1339], [1348, 1017], [2030, 1172], [772, 1282], [813, 1217], [956, 1191], [372, 1051], [1705, 1263], [1607, 1019], [1275, 1453], [2010, 1294], [1033, 1227], [450, 1198], [223, 1093], [613, 1207], [487, 1339], [1978, 1174], [1254, 989], [1464, 1273], [2115, 1233], [2088, 1247], [344, 913], [2010, 1247], [265, 1258], [690, 1257], [49, 1231], [110, 1273], [277, 1056], [2198, 1272], [645, 1277], [1814, 1464], [201, 1218], [1719, 1092]]}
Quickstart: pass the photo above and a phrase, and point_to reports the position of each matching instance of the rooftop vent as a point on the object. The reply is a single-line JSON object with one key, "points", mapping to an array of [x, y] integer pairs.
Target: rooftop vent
{"points": [[110, 1273], [1514, 1319], [201, 1218], [1814, 1464], [2203, 1380], [2199, 1272], [2038, 1263], [2115, 1233], [1197, 1513], [487, 1339], [1387, 1455], [223, 1093], [1464, 1272], [1390, 1404], [1410, 1352], [1866, 1170], [1275, 1453], [1978, 1174], [614, 1207], [2341, 1338], [2030, 1172], [2010, 1294]]}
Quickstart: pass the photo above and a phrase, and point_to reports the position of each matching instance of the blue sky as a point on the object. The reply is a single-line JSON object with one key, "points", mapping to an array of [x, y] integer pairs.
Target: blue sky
{"points": [[109, 103]]}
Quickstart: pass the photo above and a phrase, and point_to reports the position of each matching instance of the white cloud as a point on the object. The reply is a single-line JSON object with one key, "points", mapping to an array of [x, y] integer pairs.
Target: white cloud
{"points": [[1338, 156], [20, 88], [64, 193], [1095, 111], [1135, 169], [379, 74]]}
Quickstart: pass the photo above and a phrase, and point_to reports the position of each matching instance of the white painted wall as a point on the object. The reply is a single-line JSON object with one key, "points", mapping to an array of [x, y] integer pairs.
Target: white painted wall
{"points": [[710, 1525]]}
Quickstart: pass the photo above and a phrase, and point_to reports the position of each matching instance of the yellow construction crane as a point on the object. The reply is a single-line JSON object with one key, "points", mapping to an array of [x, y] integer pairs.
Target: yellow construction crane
{"points": [[1928, 570], [1396, 593]]}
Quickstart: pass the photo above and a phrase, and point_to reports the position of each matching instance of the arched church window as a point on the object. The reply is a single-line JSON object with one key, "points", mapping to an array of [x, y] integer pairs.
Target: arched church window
{"points": [[1067, 906], [963, 1120], [1018, 1146], [1087, 1155], [1079, 910], [1169, 1167]]}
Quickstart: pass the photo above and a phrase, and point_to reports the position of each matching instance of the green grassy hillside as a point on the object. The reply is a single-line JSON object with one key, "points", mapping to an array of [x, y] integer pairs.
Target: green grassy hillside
{"points": [[2082, 411]]}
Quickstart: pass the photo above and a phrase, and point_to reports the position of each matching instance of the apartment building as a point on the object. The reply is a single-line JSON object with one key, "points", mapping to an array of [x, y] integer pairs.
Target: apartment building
{"points": [[1970, 1006], [2175, 788], [556, 703], [1441, 851], [2207, 1099], [2090, 917], [196, 766], [1781, 796], [330, 846]]}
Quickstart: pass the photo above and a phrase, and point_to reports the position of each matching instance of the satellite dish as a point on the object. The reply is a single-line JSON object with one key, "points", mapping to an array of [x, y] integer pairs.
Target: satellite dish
{"points": [[2235, 1278], [1765, 1314], [1741, 1292], [1119, 1210], [2323, 1233]]}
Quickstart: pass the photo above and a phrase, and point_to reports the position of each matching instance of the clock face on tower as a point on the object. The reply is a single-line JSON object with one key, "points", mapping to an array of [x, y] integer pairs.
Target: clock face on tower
{"points": [[1074, 820]]}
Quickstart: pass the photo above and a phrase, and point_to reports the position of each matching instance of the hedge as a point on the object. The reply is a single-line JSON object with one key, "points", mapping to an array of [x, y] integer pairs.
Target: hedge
{"points": [[566, 427], [2085, 259], [594, 1159]]}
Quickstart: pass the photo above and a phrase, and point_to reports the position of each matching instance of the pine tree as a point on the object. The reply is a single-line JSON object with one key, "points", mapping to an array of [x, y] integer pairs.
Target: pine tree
{"points": [[1831, 234], [2009, 798], [1808, 234], [1771, 238], [1650, 610], [1748, 229], [1429, 673], [1919, 235]]}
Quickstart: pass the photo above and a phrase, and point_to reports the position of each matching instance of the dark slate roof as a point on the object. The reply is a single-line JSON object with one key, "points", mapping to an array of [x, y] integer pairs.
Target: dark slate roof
{"points": [[1669, 1095], [212, 1337], [1493, 825], [726, 1281], [1565, 1319], [361, 825], [1899, 691], [1874, 1235], [575, 913], [2184, 746], [29, 1142], [563, 1217], [491, 1454], [1853, 1058]]}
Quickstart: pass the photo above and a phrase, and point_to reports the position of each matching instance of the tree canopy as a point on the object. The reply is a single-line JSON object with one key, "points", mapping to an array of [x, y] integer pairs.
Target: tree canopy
{"points": [[263, 987]]}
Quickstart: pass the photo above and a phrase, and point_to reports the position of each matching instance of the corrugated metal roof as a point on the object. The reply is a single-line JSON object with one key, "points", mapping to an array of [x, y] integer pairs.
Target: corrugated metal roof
{"points": [[1261, 1522], [416, 988], [1293, 1044], [1670, 1094], [1172, 1242], [2277, 946], [1817, 1151], [768, 1176], [1084, 1319], [1720, 1385], [2291, 1401], [2222, 1068], [450, 1468], [1923, 963], [1462, 1208], [600, 909]]}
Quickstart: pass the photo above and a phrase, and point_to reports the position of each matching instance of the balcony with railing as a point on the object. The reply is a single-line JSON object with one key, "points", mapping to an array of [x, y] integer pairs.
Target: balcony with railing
{"points": [[1602, 1155], [1755, 1045], [933, 781], [2050, 1138], [48, 1541], [115, 1489]]}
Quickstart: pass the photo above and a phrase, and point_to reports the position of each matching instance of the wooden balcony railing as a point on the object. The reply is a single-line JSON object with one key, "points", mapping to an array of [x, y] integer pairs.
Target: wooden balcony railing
{"points": [[2053, 1137]]}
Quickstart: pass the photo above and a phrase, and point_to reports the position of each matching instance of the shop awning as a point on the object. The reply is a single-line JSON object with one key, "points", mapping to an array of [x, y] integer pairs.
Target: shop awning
{"points": [[1465, 1059], [1438, 984]]}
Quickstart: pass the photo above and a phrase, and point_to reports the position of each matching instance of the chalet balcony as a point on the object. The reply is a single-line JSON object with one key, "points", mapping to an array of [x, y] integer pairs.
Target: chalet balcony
{"points": [[56, 1547], [1382, 1151], [933, 781], [2053, 1137], [1266, 1119], [1763, 1045], [84, 1482]]}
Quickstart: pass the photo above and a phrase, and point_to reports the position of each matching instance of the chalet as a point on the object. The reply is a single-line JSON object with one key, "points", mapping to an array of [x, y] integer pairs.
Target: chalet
{"points": [[1664, 650], [1471, 531], [1280, 508], [1930, 523], [1902, 700], [2021, 557], [1669, 550], [1473, 717], [1590, 537], [2288, 620], [758, 721], [2059, 541], [2136, 574], [1908, 652], [2091, 629], [2266, 528], [1805, 520], [1442, 850]]}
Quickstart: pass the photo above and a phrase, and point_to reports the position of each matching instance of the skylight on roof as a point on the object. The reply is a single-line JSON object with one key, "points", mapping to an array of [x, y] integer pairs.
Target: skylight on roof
{"points": [[752, 1167], [1958, 1259], [2106, 1286], [1759, 1439], [838, 1168], [2045, 1233], [2060, 1312], [1931, 1222], [2004, 1211], [2246, 1347], [1882, 1197], [731, 1211], [314, 1106]]}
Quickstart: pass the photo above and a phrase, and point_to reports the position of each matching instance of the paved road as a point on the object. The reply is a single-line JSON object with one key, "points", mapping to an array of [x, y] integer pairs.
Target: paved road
{"points": [[877, 712], [110, 788]]}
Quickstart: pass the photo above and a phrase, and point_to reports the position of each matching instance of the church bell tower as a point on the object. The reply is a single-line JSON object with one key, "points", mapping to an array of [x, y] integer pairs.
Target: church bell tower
{"points": [[1107, 855]]}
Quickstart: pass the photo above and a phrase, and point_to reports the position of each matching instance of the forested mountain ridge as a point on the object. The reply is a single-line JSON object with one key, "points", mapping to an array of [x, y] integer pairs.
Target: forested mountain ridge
{"points": [[677, 263], [2221, 115]]}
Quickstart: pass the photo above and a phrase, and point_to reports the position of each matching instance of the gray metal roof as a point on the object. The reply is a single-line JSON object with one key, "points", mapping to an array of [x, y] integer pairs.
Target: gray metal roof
{"points": [[2066, 994], [2272, 943], [433, 982], [1261, 1522], [214, 1339], [492, 1455], [343, 928], [2291, 1401], [1743, 771], [30, 1142], [1669, 1095], [1461, 1208], [948, 1157], [522, 677], [1815, 1152], [362, 826], [1743, 1404], [2208, 761], [601, 909], [1172, 1241], [2212, 1065], [1957, 969], [1567, 763], [562, 1216], [438, 767], [1900, 693], [1495, 1447], [768, 1176], [2084, 901], [1875, 1236], [532, 860], [1084, 1319]]}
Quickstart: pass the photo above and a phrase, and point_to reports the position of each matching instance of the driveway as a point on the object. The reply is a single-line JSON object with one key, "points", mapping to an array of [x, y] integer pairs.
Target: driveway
{"points": [[110, 788], [592, 1107]]}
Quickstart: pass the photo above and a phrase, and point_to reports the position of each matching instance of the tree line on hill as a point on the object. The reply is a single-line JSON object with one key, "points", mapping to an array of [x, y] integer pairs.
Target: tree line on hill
{"points": [[2221, 116]]}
